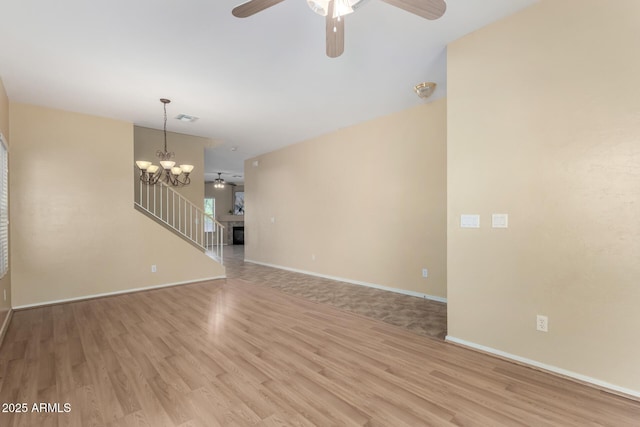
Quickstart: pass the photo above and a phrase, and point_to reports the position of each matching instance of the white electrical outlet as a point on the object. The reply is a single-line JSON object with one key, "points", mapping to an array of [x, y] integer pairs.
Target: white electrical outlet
{"points": [[313, 257], [542, 323], [425, 272], [154, 268]]}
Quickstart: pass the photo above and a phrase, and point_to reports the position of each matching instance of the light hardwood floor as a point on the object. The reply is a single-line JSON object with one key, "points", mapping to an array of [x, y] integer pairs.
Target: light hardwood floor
{"points": [[232, 353]]}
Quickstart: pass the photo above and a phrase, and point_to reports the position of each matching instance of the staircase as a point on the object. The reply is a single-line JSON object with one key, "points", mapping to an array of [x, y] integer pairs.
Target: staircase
{"points": [[185, 219]]}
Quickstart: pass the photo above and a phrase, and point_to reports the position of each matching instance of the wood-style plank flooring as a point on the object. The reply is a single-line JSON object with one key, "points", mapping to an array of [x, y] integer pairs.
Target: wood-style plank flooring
{"points": [[419, 315], [231, 353]]}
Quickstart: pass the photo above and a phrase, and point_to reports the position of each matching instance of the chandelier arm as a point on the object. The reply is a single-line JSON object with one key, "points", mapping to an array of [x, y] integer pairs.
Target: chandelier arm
{"points": [[156, 176], [147, 178], [176, 181]]}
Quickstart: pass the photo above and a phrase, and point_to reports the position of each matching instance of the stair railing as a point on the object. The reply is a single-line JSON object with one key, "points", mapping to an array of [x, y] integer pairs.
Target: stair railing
{"points": [[185, 218]]}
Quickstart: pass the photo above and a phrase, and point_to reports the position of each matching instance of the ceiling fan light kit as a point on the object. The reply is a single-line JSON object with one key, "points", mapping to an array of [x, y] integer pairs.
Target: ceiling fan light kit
{"points": [[342, 7], [321, 7], [334, 10], [218, 182]]}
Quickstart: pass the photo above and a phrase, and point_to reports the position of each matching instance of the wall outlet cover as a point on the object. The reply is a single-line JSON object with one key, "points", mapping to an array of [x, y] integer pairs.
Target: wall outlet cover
{"points": [[542, 323], [500, 220], [469, 221]]}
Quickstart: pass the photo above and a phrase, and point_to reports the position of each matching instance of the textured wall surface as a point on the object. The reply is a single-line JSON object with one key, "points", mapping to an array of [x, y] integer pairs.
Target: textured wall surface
{"points": [[543, 124]]}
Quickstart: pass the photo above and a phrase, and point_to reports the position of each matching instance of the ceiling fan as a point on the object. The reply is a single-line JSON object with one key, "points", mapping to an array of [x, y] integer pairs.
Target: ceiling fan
{"points": [[335, 10]]}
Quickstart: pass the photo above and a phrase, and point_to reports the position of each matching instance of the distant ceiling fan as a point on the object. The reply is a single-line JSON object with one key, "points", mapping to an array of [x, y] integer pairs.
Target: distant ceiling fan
{"points": [[334, 10]]}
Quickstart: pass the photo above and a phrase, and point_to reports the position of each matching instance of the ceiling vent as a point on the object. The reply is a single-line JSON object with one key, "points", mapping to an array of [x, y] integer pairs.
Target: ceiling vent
{"points": [[186, 118]]}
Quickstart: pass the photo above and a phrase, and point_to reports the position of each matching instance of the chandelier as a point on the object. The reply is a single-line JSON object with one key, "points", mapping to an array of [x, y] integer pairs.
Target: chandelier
{"points": [[218, 182], [167, 172]]}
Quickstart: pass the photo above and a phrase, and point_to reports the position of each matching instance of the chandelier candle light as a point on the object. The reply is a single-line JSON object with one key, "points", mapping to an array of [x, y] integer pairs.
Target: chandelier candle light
{"points": [[177, 176]]}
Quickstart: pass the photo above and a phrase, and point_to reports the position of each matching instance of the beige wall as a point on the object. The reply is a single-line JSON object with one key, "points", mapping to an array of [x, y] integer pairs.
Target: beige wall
{"points": [[188, 149], [4, 111], [368, 201], [543, 124], [65, 242], [5, 282]]}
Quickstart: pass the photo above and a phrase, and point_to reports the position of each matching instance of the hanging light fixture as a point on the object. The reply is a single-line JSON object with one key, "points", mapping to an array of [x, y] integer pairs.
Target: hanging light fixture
{"points": [[177, 176], [218, 182], [340, 8]]}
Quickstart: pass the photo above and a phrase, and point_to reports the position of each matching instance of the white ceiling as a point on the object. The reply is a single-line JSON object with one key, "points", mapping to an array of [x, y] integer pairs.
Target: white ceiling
{"points": [[257, 83]]}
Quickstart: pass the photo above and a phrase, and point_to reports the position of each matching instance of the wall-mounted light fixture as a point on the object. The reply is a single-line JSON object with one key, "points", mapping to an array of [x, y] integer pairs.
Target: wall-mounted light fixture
{"points": [[425, 89]]}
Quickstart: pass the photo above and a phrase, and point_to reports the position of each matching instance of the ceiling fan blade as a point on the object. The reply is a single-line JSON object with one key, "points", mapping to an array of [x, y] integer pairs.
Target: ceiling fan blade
{"points": [[430, 9], [252, 7], [335, 33]]}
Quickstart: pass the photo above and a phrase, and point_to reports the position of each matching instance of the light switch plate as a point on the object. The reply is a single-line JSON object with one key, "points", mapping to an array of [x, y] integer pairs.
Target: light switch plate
{"points": [[470, 221], [500, 220]]}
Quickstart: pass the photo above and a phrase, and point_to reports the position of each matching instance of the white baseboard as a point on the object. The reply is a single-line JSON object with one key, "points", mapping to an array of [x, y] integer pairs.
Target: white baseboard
{"points": [[5, 325], [108, 294], [612, 388], [353, 282]]}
